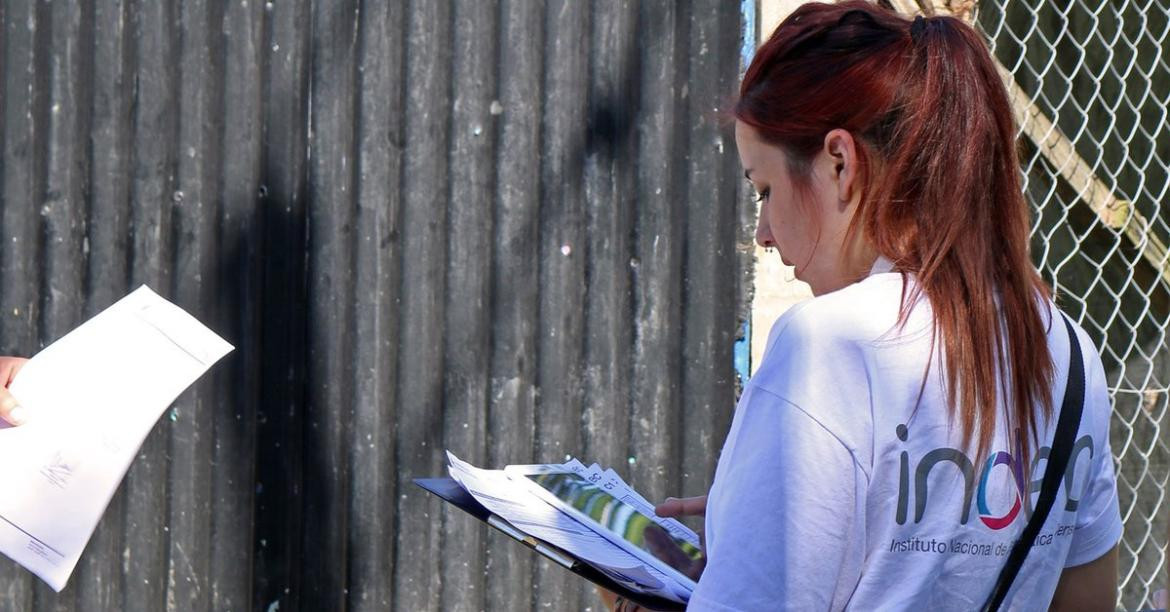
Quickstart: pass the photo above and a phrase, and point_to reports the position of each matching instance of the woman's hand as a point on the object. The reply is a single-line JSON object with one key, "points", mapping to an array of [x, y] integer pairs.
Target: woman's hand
{"points": [[685, 506], [10, 410]]}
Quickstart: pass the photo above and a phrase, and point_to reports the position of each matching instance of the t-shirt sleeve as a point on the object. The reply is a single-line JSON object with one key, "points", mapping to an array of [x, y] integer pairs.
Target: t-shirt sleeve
{"points": [[1098, 523], [785, 525]]}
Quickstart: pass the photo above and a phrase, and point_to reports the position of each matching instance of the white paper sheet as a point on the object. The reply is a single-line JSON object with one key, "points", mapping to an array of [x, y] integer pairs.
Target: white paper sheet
{"points": [[91, 399]]}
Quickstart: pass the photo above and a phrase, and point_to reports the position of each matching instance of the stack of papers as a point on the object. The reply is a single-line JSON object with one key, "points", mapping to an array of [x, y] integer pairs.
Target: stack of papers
{"points": [[512, 500]]}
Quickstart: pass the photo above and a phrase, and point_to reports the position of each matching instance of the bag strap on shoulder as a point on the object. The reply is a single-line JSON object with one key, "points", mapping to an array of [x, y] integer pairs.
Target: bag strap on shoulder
{"points": [[1067, 425]]}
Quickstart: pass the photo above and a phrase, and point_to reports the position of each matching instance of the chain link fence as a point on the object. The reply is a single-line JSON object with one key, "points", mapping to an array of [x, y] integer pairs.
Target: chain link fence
{"points": [[1090, 81]]}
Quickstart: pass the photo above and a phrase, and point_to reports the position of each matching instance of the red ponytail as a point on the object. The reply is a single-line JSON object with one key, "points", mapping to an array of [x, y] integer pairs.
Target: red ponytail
{"points": [[941, 191]]}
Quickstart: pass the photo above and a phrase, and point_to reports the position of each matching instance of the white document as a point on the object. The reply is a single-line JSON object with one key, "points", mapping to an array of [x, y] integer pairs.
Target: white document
{"points": [[91, 398]]}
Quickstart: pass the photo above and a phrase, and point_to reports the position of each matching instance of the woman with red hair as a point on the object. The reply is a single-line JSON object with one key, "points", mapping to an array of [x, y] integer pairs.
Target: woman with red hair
{"points": [[889, 450]]}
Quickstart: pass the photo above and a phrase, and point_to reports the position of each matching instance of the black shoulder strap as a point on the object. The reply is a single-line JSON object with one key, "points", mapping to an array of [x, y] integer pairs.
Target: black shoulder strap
{"points": [[1067, 425]]}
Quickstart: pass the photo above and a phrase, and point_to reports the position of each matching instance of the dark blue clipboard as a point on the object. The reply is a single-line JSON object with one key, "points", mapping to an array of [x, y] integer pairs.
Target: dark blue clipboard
{"points": [[451, 492]]}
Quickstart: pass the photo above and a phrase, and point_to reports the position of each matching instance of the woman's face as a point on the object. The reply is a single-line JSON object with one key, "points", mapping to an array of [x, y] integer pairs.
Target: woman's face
{"points": [[807, 226]]}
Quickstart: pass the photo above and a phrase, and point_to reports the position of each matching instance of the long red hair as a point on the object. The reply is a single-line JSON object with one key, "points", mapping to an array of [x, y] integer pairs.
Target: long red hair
{"points": [[941, 191]]}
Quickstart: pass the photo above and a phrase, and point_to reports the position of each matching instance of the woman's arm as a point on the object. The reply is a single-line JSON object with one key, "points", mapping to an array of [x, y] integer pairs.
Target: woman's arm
{"points": [[1092, 586]]}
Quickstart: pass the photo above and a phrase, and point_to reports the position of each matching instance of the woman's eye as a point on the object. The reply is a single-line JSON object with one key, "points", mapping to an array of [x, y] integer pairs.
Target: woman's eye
{"points": [[762, 195]]}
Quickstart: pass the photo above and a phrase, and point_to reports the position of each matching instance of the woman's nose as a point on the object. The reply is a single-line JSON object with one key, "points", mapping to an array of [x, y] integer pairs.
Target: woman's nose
{"points": [[764, 236]]}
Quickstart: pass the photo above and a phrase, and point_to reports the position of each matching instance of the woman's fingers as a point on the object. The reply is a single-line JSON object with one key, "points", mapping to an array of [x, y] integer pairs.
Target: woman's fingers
{"points": [[10, 410], [684, 506]]}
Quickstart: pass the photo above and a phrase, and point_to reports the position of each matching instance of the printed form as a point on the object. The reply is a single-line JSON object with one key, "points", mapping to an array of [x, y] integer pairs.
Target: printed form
{"points": [[92, 397]]}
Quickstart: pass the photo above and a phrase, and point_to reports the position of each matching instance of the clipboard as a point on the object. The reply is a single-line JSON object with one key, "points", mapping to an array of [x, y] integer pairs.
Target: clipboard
{"points": [[449, 491]]}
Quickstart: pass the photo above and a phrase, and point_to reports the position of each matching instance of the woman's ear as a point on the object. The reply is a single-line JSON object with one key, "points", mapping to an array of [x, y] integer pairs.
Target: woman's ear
{"points": [[841, 151]]}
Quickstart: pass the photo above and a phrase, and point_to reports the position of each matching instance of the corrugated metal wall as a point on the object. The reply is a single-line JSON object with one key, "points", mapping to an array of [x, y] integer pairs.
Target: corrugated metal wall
{"points": [[507, 228]]}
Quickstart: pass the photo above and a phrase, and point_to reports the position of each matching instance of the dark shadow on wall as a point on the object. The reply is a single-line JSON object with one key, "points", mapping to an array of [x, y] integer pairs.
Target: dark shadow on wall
{"points": [[280, 470]]}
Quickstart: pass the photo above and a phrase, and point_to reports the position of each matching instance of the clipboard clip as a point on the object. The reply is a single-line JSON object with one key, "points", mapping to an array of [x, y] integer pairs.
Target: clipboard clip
{"points": [[548, 550]]}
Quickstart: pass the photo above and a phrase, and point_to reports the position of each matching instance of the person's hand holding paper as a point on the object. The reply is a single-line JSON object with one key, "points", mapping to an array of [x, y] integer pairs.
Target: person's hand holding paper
{"points": [[93, 396], [10, 410]]}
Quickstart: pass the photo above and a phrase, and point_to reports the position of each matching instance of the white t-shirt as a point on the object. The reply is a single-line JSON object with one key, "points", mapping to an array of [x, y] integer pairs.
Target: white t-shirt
{"points": [[833, 492]]}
